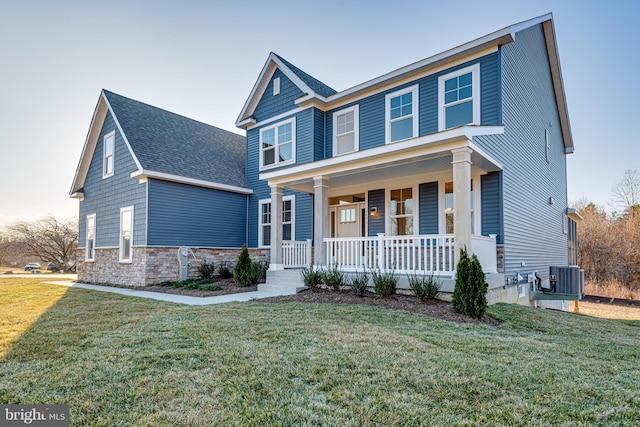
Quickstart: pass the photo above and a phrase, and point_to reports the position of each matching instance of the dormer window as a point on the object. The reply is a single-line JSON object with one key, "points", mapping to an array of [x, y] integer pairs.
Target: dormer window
{"points": [[459, 98], [108, 154]]}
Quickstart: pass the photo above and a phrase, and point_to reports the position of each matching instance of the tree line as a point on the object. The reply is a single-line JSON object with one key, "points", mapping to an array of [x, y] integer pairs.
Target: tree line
{"points": [[609, 243], [48, 238]]}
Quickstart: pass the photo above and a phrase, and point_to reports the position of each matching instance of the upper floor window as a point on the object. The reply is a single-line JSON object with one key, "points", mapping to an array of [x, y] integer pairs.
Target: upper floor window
{"points": [[90, 238], [401, 114], [459, 98], [109, 143], [288, 220], [345, 130], [278, 144], [126, 234]]}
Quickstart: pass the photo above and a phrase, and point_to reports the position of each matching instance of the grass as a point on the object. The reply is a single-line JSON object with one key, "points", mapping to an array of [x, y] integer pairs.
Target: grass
{"points": [[120, 360]]}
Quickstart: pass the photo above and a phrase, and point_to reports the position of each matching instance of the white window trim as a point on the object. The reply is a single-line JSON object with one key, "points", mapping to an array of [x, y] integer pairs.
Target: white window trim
{"points": [[416, 206], [293, 145], [111, 134], [356, 128], [276, 86], [475, 80], [477, 207], [120, 259], [387, 113], [293, 218], [547, 142], [86, 244]]}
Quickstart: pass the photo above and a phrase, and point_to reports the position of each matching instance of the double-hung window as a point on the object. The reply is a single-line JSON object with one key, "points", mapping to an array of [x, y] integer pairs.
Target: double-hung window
{"points": [[90, 242], [459, 98], [278, 144], [126, 234], [288, 223], [402, 114], [401, 211], [109, 142], [345, 131], [448, 207]]}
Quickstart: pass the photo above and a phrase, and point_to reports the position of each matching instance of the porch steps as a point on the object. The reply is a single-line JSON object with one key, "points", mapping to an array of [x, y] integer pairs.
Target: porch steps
{"points": [[285, 282]]}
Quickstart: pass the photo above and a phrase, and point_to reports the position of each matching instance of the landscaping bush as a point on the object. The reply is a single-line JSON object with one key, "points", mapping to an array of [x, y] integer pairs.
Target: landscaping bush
{"points": [[224, 271], [206, 270], [425, 287], [470, 293], [333, 277], [384, 284], [243, 273], [312, 277], [359, 283], [260, 272], [211, 287]]}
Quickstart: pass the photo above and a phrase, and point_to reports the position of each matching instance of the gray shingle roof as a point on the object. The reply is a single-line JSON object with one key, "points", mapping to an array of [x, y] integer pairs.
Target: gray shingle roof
{"points": [[316, 85], [169, 143]]}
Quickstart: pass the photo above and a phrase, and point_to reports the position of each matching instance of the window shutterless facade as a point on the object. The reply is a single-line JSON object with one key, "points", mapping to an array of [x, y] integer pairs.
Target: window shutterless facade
{"points": [[401, 114], [278, 144], [345, 131], [459, 98], [109, 142], [126, 234], [90, 242], [264, 220]]}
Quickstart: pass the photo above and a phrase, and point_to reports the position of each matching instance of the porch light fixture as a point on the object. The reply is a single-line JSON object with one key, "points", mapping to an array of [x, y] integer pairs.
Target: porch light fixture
{"points": [[374, 211]]}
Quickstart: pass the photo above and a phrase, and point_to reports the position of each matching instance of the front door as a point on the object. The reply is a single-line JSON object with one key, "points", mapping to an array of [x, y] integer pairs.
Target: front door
{"points": [[348, 217], [349, 220]]}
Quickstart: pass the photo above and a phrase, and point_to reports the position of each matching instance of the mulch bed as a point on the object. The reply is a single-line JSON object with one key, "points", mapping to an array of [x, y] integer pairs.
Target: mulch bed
{"points": [[228, 287]]}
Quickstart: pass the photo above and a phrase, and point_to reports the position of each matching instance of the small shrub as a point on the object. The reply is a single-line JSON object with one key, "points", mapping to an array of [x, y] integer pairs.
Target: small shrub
{"points": [[191, 285], [8, 272], [312, 277], [243, 273], [224, 271], [260, 272], [211, 287], [206, 270], [384, 284], [359, 283], [333, 277], [425, 287], [470, 292]]}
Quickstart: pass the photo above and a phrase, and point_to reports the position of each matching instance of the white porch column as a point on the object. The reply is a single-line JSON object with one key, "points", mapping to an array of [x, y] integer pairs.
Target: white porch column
{"points": [[461, 199], [320, 218], [275, 263]]}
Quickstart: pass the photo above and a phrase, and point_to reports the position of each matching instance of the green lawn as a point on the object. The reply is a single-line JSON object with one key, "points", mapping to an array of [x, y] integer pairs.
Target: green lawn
{"points": [[126, 361]]}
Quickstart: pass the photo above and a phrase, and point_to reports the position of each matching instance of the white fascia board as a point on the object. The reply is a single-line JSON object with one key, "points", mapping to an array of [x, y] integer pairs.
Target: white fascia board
{"points": [[429, 142], [124, 137], [143, 175], [77, 195], [89, 146]]}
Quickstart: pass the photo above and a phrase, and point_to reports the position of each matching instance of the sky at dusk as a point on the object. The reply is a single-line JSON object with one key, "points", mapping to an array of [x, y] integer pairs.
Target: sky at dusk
{"points": [[200, 59]]}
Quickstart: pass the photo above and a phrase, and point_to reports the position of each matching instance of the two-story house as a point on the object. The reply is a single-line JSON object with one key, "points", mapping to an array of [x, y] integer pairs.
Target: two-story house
{"points": [[466, 148]]}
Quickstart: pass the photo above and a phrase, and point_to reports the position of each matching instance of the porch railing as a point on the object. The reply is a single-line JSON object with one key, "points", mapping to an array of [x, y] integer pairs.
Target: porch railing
{"points": [[431, 253], [404, 254], [296, 254]]}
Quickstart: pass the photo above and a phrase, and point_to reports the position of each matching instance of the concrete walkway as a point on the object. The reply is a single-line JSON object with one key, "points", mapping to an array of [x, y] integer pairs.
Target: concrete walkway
{"points": [[179, 299]]}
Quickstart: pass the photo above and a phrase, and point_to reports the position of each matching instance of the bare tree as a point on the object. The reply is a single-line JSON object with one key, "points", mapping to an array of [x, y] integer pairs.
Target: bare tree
{"points": [[7, 247], [49, 238], [626, 193]]}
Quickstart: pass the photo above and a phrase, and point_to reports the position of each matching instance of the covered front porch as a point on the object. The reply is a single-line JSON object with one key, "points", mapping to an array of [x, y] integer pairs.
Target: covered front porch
{"points": [[408, 207]]}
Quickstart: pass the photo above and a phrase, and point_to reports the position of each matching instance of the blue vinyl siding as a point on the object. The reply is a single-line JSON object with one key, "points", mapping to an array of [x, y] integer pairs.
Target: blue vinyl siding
{"points": [[376, 223], [270, 105], [532, 227], [105, 197], [186, 215], [491, 206], [319, 135], [428, 205], [372, 108]]}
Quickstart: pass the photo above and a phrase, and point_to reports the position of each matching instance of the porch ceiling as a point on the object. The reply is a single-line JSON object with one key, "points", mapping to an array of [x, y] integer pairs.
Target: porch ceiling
{"points": [[406, 158]]}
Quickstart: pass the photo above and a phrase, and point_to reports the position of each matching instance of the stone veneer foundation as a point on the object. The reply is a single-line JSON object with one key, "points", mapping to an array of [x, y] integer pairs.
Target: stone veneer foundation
{"points": [[152, 265]]}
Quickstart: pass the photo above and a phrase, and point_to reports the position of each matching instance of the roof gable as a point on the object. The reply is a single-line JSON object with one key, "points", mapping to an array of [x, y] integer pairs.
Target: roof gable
{"points": [[168, 146]]}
